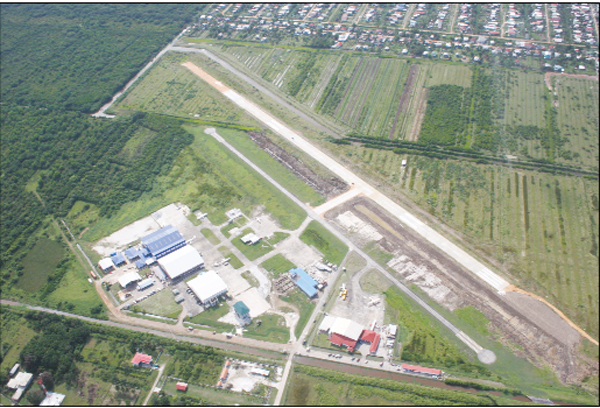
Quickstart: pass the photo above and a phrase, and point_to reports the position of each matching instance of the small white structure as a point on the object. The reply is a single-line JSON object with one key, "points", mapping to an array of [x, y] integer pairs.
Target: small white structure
{"points": [[181, 262], [250, 239], [14, 369], [322, 267], [233, 213], [53, 399], [129, 278], [106, 264], [260, 371], [392, 330], [208, 286]]}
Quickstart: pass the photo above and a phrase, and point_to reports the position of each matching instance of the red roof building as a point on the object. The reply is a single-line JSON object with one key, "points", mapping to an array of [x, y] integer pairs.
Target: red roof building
{"points": [[421, 370], [141, 359], [369, 336], [340, 340], [181, 386]]}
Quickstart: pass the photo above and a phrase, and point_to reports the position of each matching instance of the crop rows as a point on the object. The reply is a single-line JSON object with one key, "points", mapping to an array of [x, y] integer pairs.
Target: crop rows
{"points": [[525, 102], [526, 220]]}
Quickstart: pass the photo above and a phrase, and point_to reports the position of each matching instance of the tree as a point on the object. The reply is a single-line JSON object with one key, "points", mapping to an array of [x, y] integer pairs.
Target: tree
{"points": [[48, 380], [35, 396]]}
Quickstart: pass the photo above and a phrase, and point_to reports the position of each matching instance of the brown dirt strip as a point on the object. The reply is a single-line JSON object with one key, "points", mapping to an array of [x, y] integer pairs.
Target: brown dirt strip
{"points": [[548, 75], [412, 74], [419, 116]]}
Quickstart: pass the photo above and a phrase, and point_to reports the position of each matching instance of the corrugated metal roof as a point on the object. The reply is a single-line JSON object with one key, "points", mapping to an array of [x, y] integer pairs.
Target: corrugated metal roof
{"points": [[128, 278], [207, 286], [347, 328], [163, 240], [304, 281], [241, 308], [181, 261], [419, 369], [146, 283]]}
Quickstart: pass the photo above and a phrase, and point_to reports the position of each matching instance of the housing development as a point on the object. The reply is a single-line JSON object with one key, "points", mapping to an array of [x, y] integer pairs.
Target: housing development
{"points": [[300, 204]]}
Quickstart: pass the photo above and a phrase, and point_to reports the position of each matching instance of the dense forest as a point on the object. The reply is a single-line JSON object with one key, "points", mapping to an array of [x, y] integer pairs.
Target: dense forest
{"points": [[59, 63], [77, 56]]}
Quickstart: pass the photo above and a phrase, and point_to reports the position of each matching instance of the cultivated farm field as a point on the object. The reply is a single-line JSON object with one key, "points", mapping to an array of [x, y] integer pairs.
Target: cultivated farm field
{"points": [[525, 220]]}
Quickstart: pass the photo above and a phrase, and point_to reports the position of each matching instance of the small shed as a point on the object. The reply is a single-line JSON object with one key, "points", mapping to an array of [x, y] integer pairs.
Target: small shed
{"points": [[250, 239], [242, 310], [106, 264], [181, 386]]}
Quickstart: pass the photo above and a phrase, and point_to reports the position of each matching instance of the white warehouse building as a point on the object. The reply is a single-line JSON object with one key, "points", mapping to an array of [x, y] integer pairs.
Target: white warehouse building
{"points": [[182, 262], [208, 286]]}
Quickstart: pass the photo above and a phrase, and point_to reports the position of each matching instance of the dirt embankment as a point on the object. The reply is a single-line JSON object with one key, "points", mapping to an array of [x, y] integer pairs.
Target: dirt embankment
{"points": [[328, 188], [521, 323], [410, 81]]}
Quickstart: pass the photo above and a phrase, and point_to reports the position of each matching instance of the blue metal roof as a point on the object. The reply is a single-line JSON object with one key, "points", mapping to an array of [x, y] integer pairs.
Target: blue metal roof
{"points": [[140, 264], [118, 259], [163, 240], [132, 253], [304, 281]]}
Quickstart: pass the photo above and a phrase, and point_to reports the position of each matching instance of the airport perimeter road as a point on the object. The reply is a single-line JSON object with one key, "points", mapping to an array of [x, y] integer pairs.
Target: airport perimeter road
{"points": [[406, 218]]}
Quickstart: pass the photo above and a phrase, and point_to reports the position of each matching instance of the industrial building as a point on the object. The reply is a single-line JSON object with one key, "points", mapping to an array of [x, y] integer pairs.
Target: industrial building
{"points": [[163, 242], [20, 384], [106, 265], [182, 262], [250, 239], [145, 284], [129, 279], [342, 331], [372, 338], [304, 281], [208, 286], [118, 259]]}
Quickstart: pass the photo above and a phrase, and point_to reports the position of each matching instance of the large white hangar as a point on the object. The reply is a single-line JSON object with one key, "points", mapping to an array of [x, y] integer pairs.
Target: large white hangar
{"points": [[182, 262], [208, 286]]}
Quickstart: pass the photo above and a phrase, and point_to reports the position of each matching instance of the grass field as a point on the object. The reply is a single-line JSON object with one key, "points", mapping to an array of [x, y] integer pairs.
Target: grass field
{"points": [[251, 251], [211, 316], [578, 117], [208, 234], [316, 387], [277, 265], [205, 176], [172, 89], [233, 260], [474, 318], [304, 305], [332, 248], [273, 329], [162, 303], [374, 282], [213, 395], [39, 263]]}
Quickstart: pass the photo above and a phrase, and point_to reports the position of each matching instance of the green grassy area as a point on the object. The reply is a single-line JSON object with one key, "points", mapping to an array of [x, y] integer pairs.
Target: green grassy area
{"points": [[162, 303], [76, 294], [272, 328], [209, 318], [474, 318], [251, 279], [233, 260], [15, 335], [238, 222], [316, 386], [277, 265], [212, 396], [251, 251], [81, 216], [332, 248], [277, 238], [354, 263], [39, 263], [208, 234], [374, 282], [304, 305], [272, 167]]}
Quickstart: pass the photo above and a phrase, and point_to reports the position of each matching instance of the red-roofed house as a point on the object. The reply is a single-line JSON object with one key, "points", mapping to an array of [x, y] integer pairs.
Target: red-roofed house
{"points": [[181, 386], [431, 372], [141, 360], [340, 340]]}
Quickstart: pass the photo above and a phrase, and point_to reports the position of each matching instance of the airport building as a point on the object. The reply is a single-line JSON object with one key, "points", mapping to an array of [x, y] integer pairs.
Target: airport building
{"points": [[164, 241], [208, 286], [181, 263]]}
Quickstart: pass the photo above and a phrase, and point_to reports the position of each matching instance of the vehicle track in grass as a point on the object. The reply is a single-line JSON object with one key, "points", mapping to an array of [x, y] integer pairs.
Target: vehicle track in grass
{"points": [[410, 81]]}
